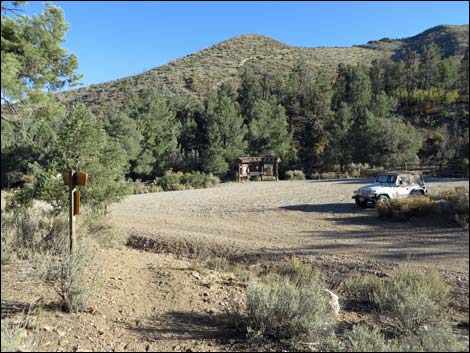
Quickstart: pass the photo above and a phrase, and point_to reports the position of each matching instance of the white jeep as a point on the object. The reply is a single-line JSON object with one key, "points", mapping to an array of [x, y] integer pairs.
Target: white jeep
{"points": [[391, 186]]}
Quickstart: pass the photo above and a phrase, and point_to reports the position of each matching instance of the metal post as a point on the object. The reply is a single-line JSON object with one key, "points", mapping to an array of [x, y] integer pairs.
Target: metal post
{"points": [[71, 210], [277, 171]]}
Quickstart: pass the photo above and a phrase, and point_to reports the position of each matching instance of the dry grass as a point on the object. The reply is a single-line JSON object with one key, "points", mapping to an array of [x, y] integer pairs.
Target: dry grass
{"points": [[452, 204]]}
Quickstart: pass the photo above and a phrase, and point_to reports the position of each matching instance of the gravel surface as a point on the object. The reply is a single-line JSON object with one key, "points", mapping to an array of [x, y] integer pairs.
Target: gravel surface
{"points": [[294, 217]]}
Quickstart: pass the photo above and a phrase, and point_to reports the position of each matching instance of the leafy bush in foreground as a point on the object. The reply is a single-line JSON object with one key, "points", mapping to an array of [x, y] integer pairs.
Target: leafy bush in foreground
{"points": [[363, 339], [412, 299], [280, 309], [70, 275], [291, 304]]}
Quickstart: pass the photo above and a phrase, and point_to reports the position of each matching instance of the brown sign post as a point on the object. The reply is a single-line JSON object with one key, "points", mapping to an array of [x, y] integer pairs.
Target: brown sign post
{"points": [[74, 179]]}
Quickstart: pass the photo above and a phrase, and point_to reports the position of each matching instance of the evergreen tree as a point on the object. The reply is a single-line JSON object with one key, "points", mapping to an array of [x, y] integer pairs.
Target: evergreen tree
{"points": [[268, 132], [249, 92], [429, 66], [464, 77], [392, 142], [33, 65], [82, 145], [410, 67], [123, 130], [160, 130], [225, 133], [340, 147]]}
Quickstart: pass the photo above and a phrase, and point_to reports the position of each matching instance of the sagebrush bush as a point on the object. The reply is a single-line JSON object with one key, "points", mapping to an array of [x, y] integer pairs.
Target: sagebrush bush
{"points": [[70, 275], [362, 288], [405, 208], [294, 175], [292, 306], [438, 338], [12, 338], [218, 263], [299, 273], [364, 339], [411, 299], [456, 204], [27, 231]]}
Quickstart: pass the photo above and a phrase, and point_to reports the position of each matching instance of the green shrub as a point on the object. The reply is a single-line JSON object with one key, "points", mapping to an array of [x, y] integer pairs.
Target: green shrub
{"points": [[218, 263], [362, 288], [13, 338], [439, 338], [295, 175], [411, 299], [185, 181], [356, 170], [70, 275], [280, 308], [299, 273], [363, 339], [456, 204]]}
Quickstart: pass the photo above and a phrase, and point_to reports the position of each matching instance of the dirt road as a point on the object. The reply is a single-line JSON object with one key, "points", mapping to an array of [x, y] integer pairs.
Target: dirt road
{"points": [[294, 217]]}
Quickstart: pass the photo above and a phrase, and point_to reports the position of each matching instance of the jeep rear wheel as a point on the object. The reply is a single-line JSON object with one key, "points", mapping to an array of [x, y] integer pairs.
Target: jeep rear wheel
{"points": [[417, 193]]}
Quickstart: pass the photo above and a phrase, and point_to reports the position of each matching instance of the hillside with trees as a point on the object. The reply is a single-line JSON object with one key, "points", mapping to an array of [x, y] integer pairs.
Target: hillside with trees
{"points": [[381, 104]]}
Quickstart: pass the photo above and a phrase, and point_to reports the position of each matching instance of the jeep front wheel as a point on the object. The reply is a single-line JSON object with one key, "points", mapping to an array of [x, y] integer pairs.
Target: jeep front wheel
{"points": [[360, 203], [381, 199]]}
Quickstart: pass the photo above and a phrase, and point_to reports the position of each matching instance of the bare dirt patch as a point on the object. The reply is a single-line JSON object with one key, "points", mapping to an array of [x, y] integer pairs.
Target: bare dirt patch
{"points": [[290, 218]]}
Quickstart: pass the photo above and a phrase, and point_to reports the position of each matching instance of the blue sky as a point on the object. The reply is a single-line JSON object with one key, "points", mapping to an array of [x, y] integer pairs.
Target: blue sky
{"points": [[114, 39]]}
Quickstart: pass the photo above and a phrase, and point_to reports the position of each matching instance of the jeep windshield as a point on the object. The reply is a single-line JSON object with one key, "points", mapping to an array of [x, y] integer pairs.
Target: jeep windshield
{"points": [[388, 179]]}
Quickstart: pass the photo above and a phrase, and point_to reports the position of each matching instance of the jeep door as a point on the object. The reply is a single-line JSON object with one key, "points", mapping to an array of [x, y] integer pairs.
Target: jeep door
{"points": [[403, 187]]}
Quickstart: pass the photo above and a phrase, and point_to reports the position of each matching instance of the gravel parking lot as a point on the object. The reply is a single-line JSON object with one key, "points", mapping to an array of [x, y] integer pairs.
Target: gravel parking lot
{"points": [[295, 217]]}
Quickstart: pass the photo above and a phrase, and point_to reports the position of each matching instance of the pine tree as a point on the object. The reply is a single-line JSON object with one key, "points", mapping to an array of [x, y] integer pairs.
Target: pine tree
{"points": [[160, 130], [225, 133], [120, 127], [429, 66], [33, 66], [83, 145], [268, 132]]}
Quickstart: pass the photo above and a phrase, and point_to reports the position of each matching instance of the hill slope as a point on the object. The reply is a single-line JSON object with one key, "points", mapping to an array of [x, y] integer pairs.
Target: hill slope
{"points": [[196, 74]]}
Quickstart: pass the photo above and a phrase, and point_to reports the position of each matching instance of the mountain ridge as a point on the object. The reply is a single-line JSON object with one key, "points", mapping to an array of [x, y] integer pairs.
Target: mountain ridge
{"points": [[198, 73]]}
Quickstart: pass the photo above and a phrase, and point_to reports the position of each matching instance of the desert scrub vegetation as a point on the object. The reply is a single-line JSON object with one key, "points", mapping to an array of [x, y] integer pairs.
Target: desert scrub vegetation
{"points": [[140, 187], [451, 204], [410, 313], [289, 305], [412, 300], [185, 181], [172, 181], [13, 336], [406, 208], [455, 204], [27, 231], [294, 175], [70, 275], [41, 237]]}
